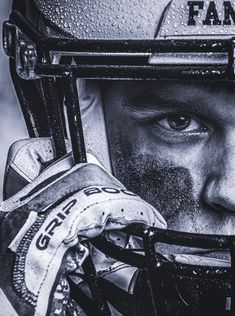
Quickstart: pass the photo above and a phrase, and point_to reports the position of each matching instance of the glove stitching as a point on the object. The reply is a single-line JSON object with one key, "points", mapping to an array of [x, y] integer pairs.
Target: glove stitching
{"points": [[110, 220], [19, 266], [133, 199]]}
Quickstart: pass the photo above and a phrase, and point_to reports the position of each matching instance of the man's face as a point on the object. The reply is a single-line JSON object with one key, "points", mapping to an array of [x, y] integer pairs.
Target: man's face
{"points": [[173, 143]]}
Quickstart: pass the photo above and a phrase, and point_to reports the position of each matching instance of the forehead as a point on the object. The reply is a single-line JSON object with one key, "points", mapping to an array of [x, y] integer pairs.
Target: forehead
{"points": [[173, 86], [211, 98]]}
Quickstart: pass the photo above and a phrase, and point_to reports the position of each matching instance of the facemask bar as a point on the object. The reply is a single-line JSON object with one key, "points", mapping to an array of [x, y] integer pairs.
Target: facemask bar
{"points": [[114, 56], [31, 57], [154, 265], [158, 266]]}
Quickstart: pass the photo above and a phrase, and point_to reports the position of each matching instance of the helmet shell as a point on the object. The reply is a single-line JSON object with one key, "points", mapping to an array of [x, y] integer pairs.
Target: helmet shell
{"points": [[106, 19], [140, 19]]}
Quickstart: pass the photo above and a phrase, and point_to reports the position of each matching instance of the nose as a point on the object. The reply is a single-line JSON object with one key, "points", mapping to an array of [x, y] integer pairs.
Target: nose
{"points": [[220, 188]]}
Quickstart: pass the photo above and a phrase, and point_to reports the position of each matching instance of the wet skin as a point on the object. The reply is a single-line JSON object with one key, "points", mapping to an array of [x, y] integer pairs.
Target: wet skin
{"points": [[173, 143]]}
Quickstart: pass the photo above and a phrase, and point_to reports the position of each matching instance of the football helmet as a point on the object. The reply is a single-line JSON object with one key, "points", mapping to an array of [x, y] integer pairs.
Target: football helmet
{"points": [[58, 49]]}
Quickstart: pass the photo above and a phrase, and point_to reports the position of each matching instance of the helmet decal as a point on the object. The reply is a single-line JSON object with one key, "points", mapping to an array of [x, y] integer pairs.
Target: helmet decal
{"points": [[199, 18]]}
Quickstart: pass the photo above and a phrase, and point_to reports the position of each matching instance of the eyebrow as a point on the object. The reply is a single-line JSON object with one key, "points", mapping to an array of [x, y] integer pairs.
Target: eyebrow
{"points": [[154, 103]]}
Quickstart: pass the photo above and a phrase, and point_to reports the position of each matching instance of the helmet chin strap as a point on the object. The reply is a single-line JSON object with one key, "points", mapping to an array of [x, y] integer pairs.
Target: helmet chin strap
{"points": [[93, 120]]}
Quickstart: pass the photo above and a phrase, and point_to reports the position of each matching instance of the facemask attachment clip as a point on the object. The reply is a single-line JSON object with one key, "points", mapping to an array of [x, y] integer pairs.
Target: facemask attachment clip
{"points": [[19, 47]]}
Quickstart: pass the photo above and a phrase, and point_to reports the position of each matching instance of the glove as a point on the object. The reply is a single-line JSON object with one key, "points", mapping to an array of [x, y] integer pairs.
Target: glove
{"points": [[45, 225]]}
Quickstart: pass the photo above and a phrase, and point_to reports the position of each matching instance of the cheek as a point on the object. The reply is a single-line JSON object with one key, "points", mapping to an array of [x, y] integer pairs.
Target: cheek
{"points": [[168, 187], [184, 165]]}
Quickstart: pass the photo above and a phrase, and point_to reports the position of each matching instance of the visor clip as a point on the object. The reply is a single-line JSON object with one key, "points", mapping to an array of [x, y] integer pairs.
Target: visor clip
{"points": [[27, 59]]}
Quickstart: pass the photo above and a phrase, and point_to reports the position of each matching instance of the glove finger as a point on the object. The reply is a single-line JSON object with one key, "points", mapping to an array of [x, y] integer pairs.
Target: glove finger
{"points": [[26, 160], [46, 194], [42, 197], [112, 212]]}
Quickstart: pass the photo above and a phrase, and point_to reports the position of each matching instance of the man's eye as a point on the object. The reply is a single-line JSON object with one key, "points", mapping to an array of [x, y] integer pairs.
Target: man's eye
{"points": [[180, 123]]}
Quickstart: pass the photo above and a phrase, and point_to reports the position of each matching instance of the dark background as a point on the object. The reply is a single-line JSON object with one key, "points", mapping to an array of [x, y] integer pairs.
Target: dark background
{"points": [[12, 125]]}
